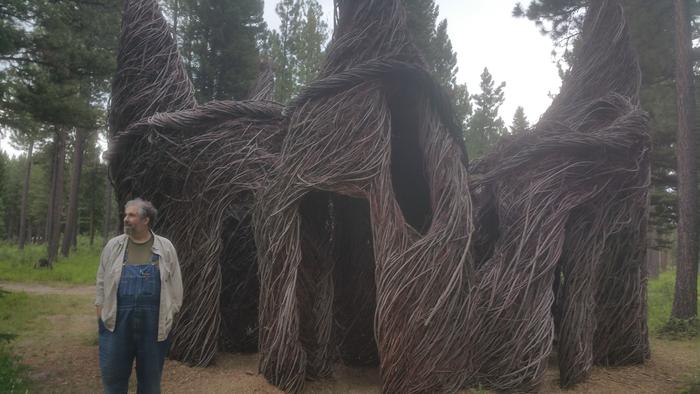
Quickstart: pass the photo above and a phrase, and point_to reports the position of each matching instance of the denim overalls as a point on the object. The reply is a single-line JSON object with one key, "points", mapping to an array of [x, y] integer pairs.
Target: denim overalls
{"points": [[135, 333]]}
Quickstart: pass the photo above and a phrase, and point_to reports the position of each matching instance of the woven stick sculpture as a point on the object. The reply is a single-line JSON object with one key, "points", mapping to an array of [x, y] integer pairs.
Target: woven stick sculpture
{"points": [[569, 200], [201, 165], [352, 215], [371, 129]]}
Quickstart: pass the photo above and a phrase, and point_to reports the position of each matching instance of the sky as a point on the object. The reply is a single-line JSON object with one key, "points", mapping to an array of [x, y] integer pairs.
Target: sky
{"points": [[484, 34]]}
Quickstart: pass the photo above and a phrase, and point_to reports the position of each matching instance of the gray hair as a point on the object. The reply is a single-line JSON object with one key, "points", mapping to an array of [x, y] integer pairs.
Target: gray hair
{"points": [[146, 209]]}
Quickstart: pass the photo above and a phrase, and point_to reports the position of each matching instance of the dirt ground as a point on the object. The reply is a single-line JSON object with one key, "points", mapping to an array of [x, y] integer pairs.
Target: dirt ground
{"points": [[64, 360], [44, 289]]}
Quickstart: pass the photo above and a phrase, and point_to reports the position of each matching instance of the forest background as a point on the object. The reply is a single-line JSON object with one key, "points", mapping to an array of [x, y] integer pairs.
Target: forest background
{"points": [[57, 59]]}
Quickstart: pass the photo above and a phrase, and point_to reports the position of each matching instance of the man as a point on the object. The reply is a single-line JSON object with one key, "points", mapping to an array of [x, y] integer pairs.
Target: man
{"points": [[139, 292]]}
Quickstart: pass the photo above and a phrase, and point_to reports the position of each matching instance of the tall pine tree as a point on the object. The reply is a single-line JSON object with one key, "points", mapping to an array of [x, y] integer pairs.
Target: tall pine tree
{"points": [[61, 82], [520, 123], [685, 300], [296, 49], [485, 126], [433, 41], [219, 43]]}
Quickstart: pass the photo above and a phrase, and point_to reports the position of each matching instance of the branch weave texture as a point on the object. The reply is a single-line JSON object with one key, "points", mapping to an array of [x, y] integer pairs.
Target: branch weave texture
{"points": [[349, 225]]}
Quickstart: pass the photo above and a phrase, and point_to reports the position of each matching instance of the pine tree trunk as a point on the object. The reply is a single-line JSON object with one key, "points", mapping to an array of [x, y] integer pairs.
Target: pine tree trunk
{"points": [[653, 259], [118, 221], [685, 297], [72, 214], [76, 231], [107, 212], [93, 187], [653, 255], [25, 198], [56, 201], [8, 225], [52, 191]]}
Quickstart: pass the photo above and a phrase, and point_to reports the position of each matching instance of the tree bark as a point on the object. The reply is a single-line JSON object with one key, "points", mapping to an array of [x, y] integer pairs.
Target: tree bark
{"points": [[52, 190], [685, 297], [93, 187], [653, 255], [56, 199], [118, 221], [666, 260], [25, 198], [76, 231], [72, 215], [653, 263], [107, 211]]}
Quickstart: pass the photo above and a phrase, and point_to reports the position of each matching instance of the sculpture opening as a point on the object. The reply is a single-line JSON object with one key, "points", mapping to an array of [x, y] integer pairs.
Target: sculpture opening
{"points": [[239, 282], [407, 168]]}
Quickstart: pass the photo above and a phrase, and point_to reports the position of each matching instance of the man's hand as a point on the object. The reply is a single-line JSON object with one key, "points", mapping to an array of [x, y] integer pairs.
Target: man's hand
{"points": [[98, 308]]}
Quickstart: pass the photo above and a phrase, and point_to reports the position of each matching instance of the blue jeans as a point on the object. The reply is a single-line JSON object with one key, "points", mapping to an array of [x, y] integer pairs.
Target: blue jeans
{"points": [[135, 334]]}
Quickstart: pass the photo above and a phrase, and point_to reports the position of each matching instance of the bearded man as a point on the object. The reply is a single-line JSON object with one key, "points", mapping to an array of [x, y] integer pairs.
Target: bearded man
{"points": [[139, 293]]}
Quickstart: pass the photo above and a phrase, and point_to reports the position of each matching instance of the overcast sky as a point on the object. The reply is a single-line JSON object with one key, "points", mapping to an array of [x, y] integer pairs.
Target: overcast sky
{"points": [[484, 34]]}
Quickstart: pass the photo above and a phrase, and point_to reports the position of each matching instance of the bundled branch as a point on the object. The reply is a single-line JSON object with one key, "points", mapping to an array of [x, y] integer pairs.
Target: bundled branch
{"points": [[150, 76], [348, 226]]}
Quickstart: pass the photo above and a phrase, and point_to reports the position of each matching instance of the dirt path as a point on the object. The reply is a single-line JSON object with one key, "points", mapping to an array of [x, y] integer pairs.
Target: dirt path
{"points": [[64, 359], [37, 288]]}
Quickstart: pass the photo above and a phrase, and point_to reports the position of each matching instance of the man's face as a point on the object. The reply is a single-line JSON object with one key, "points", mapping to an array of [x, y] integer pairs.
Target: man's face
{"points": [[133, 222]]}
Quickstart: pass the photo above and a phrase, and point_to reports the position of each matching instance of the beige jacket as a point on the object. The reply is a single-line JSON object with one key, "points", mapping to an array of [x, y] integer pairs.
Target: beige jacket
{"points": [[110, 271]]}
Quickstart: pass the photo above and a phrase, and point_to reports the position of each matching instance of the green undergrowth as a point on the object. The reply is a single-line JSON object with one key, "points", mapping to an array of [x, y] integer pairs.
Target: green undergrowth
{"points": [[77, 269], [25, 316], [692, 385], [660, 300], [679, 329], [13, 375]]}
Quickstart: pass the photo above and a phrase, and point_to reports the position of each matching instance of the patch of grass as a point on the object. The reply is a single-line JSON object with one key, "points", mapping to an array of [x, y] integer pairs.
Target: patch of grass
{"points": [[24, 315], [679, 329], [660, 300], [13, 375], [17, 311], [79, 268], [93, 339], [693, 386], [37, 322]]}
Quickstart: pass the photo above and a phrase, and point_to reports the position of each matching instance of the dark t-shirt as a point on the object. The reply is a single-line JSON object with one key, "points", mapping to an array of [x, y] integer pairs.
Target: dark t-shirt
{"points": [[139, 253]]}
